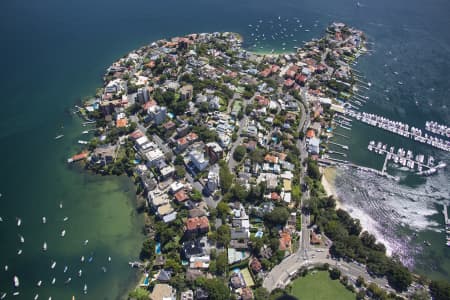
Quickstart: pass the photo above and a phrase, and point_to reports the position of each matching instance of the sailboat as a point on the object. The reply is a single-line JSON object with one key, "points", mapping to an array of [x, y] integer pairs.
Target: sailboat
{"points": [[19, 222], [53, 280], [53, 265], [22, 240], [85, 289], [44, 220], [44, 247], [63, 233]]}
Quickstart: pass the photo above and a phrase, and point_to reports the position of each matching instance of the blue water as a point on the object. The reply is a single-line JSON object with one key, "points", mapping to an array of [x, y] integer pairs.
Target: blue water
{"points": [[53, 54]]}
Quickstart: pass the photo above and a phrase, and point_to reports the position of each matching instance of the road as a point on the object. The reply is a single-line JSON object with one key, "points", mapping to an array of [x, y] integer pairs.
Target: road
{"points": [[281, 274]]}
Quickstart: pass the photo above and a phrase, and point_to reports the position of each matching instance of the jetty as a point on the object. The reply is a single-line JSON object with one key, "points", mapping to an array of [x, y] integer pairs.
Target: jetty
{"points": [[405, 158], [399, 128]]}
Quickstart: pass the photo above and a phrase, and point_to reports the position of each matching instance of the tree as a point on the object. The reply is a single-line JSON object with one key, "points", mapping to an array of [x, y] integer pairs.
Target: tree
{"points": [[239, 153], [147, 249], [399, 277], [239, 192], [313, 170], [335, 273], [225, 178], [216, 289], [223, 235], [440, 289], [261, 294], [196, 195], [222, 263], [139, 294], [278, 216], [223, 209], [180, 171]]}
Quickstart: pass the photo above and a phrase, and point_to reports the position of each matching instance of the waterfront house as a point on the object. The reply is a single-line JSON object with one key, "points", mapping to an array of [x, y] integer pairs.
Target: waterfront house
{"points": [[196, 226]]}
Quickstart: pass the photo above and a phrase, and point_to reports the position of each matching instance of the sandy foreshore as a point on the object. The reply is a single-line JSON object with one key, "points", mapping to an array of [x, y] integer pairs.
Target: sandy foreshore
{"points": [[328, 179]]}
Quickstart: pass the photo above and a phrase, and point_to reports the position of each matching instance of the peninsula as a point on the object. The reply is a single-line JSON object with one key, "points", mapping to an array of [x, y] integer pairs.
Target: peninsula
{"points": [[224, 146]]}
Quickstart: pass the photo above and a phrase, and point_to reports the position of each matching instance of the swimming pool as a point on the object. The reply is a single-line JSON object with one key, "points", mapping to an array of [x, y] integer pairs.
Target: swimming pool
{"points": [[158, 248]]}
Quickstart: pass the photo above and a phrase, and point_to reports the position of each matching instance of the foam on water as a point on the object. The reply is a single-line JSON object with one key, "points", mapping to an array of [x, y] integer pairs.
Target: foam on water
{"points": [[389, 210]]}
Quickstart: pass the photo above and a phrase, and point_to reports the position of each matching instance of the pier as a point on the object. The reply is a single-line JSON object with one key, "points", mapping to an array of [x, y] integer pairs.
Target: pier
{"points": [[405, 159], [342, 135], [399, 128], [437, 128]]}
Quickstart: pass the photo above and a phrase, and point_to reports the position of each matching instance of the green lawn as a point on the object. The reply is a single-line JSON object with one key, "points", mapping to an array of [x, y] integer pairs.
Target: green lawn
{"points": [[319, 286]]}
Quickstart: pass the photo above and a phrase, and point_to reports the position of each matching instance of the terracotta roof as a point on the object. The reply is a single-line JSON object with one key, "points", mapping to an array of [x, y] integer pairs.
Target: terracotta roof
{"points": [[197, 223], [271, 159], [289, 82], [181, 196], [310, 133], [255, 265], [285, 240], [274, 196], [192, 136], [149, 104], [136, 134], [182, 141], [121, 123]]}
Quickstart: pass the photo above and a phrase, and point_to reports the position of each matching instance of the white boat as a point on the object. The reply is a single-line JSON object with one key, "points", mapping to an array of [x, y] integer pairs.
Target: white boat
{"points": [[19, 222], [63, 233], [85, 289], [60, 205], [6, 268], [22, 240], [104, 269], [109, 258], [39, 283], [85, 132], [44, 247], [68, 280], [53, 280], [53, 265], [65, 269], [65, 219], [1, 219], [16, 281], [44, 220], [80, 273], [3, 296], [36, 296], [16, 293], [59, 136], [86, 242], [83, 142], [19, 251], [82, 259]]}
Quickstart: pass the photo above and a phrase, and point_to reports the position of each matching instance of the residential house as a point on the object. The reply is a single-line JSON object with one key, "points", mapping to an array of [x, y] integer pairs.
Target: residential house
{"points": [[163, 291], [196, 226], [198, 159]]}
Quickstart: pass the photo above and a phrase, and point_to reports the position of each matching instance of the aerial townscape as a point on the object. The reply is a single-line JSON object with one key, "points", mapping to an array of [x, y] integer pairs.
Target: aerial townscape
{"points": [[227, 148]]}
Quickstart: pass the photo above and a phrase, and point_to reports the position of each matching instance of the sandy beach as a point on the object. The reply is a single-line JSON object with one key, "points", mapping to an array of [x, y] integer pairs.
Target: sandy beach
{"points": [[329, 175]]}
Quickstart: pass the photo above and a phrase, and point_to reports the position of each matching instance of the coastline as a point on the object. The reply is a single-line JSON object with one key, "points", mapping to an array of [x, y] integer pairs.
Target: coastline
{"points": [[328, 183]]}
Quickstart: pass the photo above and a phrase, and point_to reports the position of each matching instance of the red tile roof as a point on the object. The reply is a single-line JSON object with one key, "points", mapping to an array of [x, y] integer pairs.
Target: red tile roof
{"points": [[181, 196], [197, 223]]}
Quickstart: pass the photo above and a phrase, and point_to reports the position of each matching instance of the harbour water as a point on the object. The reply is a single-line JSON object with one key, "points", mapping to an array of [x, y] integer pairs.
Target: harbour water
{"points": [[53, 53]]}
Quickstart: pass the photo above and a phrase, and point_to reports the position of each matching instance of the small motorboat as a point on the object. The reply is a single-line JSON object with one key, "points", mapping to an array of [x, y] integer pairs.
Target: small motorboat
{"points": [[68, 280], [3, 296], [80, 273], [109, 258], [19, 222], [44, 220], [53, 280], [104, 269], [59, 136], [16, 281], [22, 240], [19, 252], [60, 205], [6, 268], [65, 219], [86, 242], [44, 246], [82, 258], [16, 293], [36, 297], [65, 269], [53, 265], [90, 259], [39, 283], [85, 289], [63, 233]]}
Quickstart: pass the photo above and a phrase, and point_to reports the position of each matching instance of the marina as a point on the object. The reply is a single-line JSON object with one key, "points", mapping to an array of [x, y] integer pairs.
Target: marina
{"points": [[437, 128], [400, 128], [447, 225], [405, 158]]}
